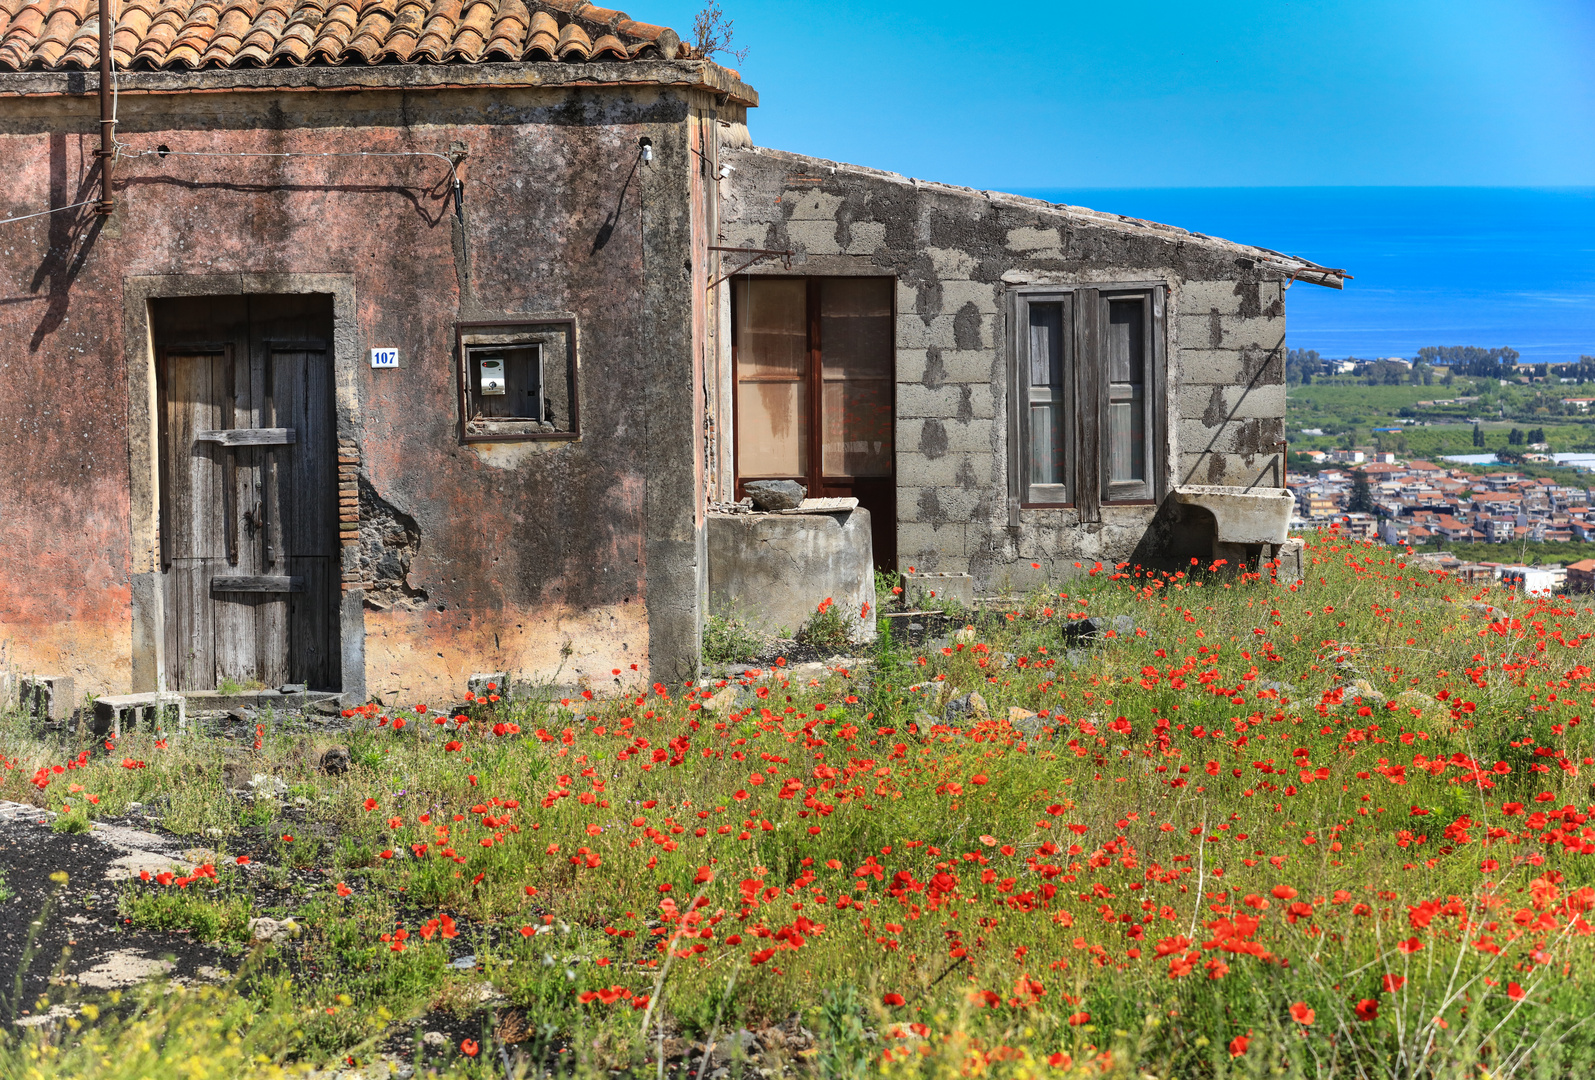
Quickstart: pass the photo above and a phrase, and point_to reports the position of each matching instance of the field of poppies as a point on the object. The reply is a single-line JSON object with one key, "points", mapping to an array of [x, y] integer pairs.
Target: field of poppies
{"points": [[1333, 828]]}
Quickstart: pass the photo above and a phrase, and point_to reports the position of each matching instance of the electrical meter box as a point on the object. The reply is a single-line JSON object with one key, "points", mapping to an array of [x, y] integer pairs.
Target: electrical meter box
{"points": [[492, 376]]}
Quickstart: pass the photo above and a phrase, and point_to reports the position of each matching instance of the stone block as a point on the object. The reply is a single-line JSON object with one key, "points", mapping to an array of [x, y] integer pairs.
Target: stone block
{"points": [[952, 264], [911, 366], [922, 589], [50, 698]]}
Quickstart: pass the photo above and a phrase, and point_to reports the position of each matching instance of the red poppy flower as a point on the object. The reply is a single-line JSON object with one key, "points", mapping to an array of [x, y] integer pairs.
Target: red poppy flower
{"points": [[892, 999], [1367, 1009], [1237, 1045], [1301, 1013]]}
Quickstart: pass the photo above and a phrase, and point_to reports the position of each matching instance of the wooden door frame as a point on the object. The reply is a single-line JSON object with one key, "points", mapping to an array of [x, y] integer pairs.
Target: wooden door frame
{"points": [[814, 383], [148, 652]]}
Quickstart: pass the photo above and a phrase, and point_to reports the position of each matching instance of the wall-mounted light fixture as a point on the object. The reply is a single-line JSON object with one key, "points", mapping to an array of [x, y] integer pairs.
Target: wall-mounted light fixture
{"points": [[725, 171], [647, 145]]}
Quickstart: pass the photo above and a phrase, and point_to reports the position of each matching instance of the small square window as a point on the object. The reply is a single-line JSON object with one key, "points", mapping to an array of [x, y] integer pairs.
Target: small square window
{"points": [[517, 380]]}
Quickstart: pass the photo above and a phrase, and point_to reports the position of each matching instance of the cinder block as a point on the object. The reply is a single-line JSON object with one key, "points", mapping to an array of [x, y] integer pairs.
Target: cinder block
{"points": [[1252, 436], [1037, 242], [814, 237], [48, 697], [970, 366], [942, 402], [952, 264], [866, 237], [917, 470], [969, 436], [935, 546], [955, 294], [1241, 402], [1202, 297], [1210, 367], [911, 366], [1244, 470], [939, 589]]}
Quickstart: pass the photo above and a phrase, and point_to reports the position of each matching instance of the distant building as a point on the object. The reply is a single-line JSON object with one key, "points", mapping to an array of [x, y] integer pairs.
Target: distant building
{"points": [[1581, 576]]}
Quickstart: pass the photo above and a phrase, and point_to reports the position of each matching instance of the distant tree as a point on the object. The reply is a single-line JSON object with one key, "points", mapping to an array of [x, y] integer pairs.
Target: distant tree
{"points": [[1514, 437], [1448, 378], [1361, 495], [1471, 360], [1478, 435], [1301, 365], [1536, 435]]}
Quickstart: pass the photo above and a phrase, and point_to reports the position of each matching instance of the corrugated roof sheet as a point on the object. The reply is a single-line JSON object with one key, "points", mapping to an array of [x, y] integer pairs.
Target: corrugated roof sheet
{"points": [[57, 35]]}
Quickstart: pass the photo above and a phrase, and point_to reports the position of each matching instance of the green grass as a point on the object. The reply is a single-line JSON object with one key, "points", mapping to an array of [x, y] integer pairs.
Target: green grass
{"points": [[1242, 807]]}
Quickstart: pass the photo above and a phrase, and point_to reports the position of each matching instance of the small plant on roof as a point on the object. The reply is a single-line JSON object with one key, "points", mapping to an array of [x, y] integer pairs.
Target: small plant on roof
{"points": [[711, 33]]}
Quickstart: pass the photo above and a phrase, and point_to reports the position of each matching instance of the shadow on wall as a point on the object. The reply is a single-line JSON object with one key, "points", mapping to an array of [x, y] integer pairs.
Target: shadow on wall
{"points": [[1178, 534]]}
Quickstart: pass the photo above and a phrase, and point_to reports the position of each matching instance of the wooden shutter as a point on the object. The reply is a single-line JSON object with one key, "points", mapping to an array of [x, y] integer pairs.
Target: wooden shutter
{"points": [[1092, 410], [1126, 366], [1042, 399]]}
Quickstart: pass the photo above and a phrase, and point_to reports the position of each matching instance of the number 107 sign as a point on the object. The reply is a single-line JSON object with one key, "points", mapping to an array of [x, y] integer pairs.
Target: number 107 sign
{"points": [[384, 358]]}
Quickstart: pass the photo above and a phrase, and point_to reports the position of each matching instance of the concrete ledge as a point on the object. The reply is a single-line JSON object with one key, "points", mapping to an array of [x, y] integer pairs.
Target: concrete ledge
{"points": [[1243, 516], [773, 570]]}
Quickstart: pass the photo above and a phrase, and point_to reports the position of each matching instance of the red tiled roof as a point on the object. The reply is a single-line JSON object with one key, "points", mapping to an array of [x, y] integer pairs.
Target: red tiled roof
{"points": [[55, 35]]}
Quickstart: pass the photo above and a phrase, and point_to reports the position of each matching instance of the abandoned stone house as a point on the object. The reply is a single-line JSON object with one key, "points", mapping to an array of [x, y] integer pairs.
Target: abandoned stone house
{"points": [[422, 338]]}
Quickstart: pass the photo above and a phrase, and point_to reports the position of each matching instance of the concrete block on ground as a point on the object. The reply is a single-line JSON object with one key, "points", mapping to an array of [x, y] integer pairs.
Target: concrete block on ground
{"points": [[774, 570], [922, 589], [48, 697]]}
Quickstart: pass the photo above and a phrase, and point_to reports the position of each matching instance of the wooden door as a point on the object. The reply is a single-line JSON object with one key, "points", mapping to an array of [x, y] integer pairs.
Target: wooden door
{"points": [[815, 385], [248, 495]]}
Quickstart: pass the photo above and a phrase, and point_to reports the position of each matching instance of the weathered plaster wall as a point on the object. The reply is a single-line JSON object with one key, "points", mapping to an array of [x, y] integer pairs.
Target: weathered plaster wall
{"points": [[955, 254], [530, 558]]}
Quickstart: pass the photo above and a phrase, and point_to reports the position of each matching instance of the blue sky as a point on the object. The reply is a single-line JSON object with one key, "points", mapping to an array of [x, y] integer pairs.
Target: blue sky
{"points": [[1070, 95]]}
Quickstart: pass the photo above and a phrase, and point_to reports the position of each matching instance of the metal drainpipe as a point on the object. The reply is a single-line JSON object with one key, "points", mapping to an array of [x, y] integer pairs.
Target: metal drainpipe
{"points": [[107, 123]]}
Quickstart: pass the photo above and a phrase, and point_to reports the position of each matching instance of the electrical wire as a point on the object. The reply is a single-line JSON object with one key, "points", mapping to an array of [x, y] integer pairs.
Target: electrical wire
{"points": [[47, 213]]}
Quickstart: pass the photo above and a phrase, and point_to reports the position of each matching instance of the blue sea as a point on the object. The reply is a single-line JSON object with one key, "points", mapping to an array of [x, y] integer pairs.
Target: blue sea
{"points": [[1431, 266]]}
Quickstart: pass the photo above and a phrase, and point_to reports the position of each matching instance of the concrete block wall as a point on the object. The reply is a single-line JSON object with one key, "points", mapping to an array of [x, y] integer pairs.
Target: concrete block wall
{"points": [[956, 254]]}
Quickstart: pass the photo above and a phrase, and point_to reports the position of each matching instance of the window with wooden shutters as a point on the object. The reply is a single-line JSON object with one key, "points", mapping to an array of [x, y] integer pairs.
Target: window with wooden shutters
{"points": [[1087, 379]]}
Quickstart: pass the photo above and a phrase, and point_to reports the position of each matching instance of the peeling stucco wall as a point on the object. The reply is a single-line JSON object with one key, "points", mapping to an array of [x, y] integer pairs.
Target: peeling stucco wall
{"points": [[956, 254], [533, 560]]}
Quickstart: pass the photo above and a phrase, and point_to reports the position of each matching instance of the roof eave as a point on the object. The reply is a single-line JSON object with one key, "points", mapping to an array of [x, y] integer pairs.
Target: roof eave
{"points": [[701, 75]]}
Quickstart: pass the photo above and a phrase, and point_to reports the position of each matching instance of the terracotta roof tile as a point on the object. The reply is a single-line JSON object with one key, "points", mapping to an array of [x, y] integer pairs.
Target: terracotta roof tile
{"points": [[55, 35]]}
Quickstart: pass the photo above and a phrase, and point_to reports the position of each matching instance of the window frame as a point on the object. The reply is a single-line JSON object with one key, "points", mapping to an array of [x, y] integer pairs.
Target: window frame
{"points": [[1088, 484], [510, 334]]}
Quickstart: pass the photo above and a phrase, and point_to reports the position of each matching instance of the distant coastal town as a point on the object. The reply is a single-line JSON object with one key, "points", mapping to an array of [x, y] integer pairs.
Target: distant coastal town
{"points": [[1492, 477]]}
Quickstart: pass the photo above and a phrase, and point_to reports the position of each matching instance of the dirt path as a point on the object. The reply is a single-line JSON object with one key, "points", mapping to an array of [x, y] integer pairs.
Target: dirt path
{"points": [[83, 937]]}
